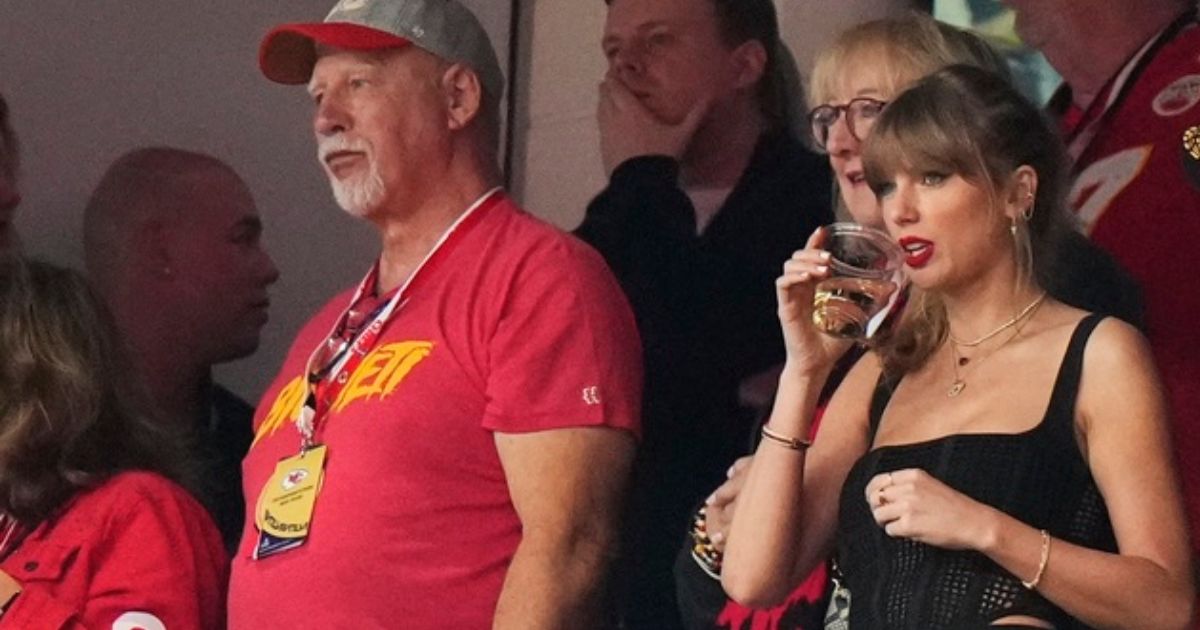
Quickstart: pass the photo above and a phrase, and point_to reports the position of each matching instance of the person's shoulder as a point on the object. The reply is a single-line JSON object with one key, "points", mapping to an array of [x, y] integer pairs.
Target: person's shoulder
{"points": [[537, 238], [1114, 343], [1110, 346], [129, 489]]}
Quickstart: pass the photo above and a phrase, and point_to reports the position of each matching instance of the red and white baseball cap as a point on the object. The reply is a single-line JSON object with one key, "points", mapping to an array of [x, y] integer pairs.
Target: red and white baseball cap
{"points": [[442, 27]]}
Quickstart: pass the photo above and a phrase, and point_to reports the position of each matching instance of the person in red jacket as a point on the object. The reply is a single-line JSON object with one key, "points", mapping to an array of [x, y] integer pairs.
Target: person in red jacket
{"points": [[95, 531]]}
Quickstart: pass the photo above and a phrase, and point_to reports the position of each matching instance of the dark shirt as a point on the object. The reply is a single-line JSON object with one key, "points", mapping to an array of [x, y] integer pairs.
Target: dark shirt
{"points": [[705, 307], [1037, 476], [221, 441]]}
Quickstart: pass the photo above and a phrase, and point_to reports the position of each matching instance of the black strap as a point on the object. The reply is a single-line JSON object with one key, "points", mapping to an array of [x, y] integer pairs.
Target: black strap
{"points": [[1066, 385], [1062, 398]]}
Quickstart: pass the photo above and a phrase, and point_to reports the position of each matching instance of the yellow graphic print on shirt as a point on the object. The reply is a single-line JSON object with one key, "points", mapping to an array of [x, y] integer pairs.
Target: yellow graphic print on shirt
{"points": [[379, 374]]}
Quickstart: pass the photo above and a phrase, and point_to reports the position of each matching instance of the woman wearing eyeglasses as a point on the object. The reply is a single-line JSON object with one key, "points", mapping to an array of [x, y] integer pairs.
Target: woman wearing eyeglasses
{"points": [[1003, 460], [851, 85], [94, 532]]}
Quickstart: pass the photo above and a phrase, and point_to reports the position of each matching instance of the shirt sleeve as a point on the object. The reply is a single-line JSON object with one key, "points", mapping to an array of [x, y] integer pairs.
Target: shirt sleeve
{"points": [[159, 564], [565, 352]]}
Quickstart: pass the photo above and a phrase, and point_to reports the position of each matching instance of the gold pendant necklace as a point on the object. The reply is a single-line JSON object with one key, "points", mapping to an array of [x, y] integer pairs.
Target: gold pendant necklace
{"points": [[959, 383], [1019, 321], [1002, 327]]}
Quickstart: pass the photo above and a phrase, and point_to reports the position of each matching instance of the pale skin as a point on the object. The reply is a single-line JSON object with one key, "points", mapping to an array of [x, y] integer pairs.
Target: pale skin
{"points": [[786, 512], [417, 117], [675, 87], [566, 486], [9, 587]]}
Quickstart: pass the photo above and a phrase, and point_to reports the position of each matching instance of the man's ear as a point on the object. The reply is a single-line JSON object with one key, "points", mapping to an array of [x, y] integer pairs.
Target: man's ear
{"points": [[1020, 197], [750, 63], [464, 95]]}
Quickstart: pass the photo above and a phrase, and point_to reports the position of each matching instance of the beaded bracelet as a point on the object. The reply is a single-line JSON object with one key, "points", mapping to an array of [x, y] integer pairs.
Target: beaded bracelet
{"points": [[1032, 584], [703, 552]]}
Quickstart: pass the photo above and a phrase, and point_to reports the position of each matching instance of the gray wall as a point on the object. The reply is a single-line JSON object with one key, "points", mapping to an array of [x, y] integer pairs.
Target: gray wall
{"points": [[88, 80]]}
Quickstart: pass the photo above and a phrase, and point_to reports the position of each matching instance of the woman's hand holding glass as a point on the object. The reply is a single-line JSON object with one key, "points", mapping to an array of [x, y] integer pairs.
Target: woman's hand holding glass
{"points": [[808, 350]]}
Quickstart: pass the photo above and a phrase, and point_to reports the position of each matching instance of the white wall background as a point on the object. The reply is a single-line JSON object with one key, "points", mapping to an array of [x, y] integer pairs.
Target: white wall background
{"points": [[88, 80]]}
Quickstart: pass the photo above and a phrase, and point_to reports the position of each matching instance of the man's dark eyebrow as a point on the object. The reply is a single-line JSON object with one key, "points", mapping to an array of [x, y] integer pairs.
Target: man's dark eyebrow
{"points": [[641, 28]]}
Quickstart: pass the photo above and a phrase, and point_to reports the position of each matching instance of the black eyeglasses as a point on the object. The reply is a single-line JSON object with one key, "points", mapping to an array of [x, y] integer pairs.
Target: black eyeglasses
{"points": [[861, 114]]}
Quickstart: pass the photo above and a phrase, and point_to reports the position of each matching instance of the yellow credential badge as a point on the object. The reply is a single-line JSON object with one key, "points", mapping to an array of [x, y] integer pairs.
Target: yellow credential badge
{"points": [[285, 506]]}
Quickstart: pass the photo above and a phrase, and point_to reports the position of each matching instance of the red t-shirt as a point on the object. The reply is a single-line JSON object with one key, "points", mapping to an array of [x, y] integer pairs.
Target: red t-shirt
{"points": [[517, 328], [1133, 192], [135, 552]]}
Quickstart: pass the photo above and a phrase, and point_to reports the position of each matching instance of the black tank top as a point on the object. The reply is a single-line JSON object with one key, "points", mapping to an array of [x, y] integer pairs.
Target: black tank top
{"points": [[1038, 476]]}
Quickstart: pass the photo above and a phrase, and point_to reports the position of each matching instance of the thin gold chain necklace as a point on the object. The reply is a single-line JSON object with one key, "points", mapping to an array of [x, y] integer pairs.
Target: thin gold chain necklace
{"points": [[1002, 327], [1019, 321]]}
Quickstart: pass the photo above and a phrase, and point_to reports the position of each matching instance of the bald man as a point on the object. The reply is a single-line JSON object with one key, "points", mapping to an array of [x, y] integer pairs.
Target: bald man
{"points": [[171, 240]]}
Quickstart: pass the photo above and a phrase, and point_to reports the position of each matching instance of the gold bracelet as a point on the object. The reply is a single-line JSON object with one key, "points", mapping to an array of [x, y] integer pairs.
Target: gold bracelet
{"points": [[796, 444], [1032, 584]]}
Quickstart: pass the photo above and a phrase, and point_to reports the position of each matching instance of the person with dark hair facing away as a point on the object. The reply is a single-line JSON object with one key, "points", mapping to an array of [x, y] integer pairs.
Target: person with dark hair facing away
{"points": [[1004, 459], [95, 531], [10, 163], [709, 189], [171, 240]]}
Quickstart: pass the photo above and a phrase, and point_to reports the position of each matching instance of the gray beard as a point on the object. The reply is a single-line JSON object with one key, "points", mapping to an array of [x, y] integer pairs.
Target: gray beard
{"points": [[360, 196]]}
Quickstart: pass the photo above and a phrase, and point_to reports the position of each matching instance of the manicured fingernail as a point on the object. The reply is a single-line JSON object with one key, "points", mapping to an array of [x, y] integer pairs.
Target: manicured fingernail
{"points": [[732, 469], [712, 498], [822, 268], [717, 537], [826, 255]]}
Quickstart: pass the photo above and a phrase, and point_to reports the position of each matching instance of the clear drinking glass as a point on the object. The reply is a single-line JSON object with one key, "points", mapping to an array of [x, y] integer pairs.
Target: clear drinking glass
{"points": [[864, 282]]}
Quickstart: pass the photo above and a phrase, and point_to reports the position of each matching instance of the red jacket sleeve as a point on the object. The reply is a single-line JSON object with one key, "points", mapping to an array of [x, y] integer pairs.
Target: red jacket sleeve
{"points": [[154, 561]]}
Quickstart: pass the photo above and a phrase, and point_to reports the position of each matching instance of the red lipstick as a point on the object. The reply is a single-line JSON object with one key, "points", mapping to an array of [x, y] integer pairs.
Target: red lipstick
{"points": [[917, 251]]}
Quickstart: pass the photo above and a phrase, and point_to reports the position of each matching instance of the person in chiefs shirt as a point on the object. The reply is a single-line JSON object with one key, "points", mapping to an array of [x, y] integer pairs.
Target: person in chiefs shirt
{"points": [[1130, 112]]}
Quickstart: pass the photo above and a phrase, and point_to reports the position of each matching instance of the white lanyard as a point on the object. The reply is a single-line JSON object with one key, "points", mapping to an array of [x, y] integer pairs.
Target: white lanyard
{"points": [[366, 337]]}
